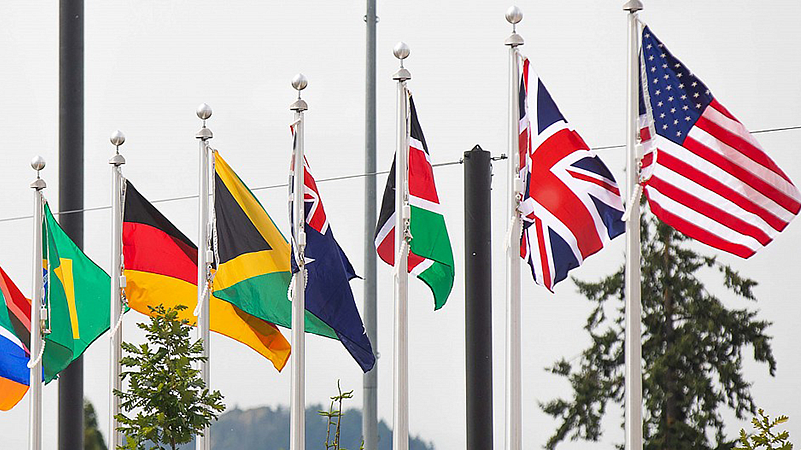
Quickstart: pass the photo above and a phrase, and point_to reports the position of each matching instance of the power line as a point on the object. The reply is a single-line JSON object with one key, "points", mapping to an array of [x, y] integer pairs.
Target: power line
{"points": [[348, 177], [766, 130], [260, 188]]}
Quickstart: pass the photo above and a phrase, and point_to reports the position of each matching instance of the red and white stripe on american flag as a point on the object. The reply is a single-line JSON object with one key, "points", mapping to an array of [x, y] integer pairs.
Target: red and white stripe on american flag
{"points": [[719, 187]]}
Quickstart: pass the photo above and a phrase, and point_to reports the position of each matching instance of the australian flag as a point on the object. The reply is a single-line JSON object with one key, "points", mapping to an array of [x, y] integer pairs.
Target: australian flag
{"points": [[571, 204], [328, 293]]}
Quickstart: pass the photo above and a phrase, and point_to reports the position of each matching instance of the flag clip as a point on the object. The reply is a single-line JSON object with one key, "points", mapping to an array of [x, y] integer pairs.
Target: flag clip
{"points": [[44, 325], [518, 186]]}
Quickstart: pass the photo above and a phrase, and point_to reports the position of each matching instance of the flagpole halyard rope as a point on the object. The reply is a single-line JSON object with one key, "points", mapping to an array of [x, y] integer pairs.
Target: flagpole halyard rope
{"points": [[635, 199], [38, 359], [211, 242], [512, 222], [213, 235], [43, 294], [404, 250], [116, 327], [44, 303], [123, 284]]}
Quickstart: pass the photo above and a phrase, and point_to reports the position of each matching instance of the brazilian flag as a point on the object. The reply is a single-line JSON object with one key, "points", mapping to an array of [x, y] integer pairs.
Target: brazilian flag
{"points": [[254, 271], [77, 291]]}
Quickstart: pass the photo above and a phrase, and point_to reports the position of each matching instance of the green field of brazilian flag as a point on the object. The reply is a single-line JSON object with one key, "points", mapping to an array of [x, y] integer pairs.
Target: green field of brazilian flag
{"points": [[77, 292]]}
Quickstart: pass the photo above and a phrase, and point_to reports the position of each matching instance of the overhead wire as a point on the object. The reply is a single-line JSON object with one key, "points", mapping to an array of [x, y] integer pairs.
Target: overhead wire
{"points": [[346, 177]]}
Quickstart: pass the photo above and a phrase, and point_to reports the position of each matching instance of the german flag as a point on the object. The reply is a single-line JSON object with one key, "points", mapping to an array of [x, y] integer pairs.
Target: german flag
{"points": [[254, 271], [161, 268]]}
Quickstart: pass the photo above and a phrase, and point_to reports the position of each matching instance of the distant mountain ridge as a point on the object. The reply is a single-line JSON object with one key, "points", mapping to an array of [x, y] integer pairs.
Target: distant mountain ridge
{"points": [[267, 428]]}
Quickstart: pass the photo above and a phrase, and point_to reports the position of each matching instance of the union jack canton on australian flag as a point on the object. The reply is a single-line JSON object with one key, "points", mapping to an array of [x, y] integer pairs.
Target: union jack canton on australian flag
{"points": [[328, 293], [571, 204]]}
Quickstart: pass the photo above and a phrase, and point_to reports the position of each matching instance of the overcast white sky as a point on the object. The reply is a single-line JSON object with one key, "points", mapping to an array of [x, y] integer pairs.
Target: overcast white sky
{"points": [[149, 63]]}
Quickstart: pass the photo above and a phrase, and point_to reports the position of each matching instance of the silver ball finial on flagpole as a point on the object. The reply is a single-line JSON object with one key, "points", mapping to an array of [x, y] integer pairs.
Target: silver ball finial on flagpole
{"points": [[203, 111], [401, 51], [514, 15], [38, 163], [299, 82], [117, 139]]}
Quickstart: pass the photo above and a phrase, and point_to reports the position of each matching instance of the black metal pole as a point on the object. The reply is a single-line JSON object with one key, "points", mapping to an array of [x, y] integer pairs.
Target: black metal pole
{"points": [[478, 297], [70, 196]]}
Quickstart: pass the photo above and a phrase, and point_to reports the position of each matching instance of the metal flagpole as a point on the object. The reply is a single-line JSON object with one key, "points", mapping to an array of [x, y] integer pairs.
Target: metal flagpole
{"points": [[633, 348], [370, 379], [203, 442], [37, 295], [478, 297], [297, 411], [400, 375], [514, 408], [117, 284]]}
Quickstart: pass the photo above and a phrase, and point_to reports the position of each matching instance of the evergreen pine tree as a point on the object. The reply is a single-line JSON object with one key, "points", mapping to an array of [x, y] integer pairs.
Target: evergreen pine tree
{"points": [[92, 437], [692, 349]]}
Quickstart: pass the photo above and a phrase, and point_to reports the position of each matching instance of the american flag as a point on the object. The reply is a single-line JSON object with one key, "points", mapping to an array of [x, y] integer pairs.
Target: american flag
{"points": [[703, 173], [571, 204]]}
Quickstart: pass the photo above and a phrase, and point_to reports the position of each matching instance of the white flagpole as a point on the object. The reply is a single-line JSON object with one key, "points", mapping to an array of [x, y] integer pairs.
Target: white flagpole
{"points": [[633, 345], [35, 395], [203, 442], [514, 408], [400, 375], [297, 410], [117, 284]]}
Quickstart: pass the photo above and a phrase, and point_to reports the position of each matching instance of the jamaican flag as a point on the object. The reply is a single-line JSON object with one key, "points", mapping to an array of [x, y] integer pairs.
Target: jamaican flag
{"points": [[77, 292], [161, 268], [254, 271]]}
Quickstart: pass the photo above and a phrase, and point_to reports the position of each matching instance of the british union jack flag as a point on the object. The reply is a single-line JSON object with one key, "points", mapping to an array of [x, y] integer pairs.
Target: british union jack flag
{"points": [[571, 205]]}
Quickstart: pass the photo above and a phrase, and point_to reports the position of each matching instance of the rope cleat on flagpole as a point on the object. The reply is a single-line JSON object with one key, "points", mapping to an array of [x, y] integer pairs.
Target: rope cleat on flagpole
{"points": [[635, 196]]}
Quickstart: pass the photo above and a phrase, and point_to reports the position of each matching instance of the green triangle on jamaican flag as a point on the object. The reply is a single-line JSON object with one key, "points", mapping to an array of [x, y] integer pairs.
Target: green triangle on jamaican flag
{"points": [[254, 268]]}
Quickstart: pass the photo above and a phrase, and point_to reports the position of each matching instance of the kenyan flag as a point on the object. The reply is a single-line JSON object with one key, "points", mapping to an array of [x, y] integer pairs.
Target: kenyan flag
{"points": [[430, 256]]}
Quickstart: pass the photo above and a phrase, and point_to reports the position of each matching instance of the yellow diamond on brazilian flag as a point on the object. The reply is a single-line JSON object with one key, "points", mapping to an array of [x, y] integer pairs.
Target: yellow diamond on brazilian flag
{"points": [[77, 291]]}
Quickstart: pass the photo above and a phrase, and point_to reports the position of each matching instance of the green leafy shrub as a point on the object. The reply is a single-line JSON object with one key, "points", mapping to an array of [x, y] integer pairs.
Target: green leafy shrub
{"points": [[168, 395], [334, 417]]}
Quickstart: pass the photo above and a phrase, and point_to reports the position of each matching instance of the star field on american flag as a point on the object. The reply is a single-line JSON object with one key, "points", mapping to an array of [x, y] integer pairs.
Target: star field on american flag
{"points": [[678, 98]]}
